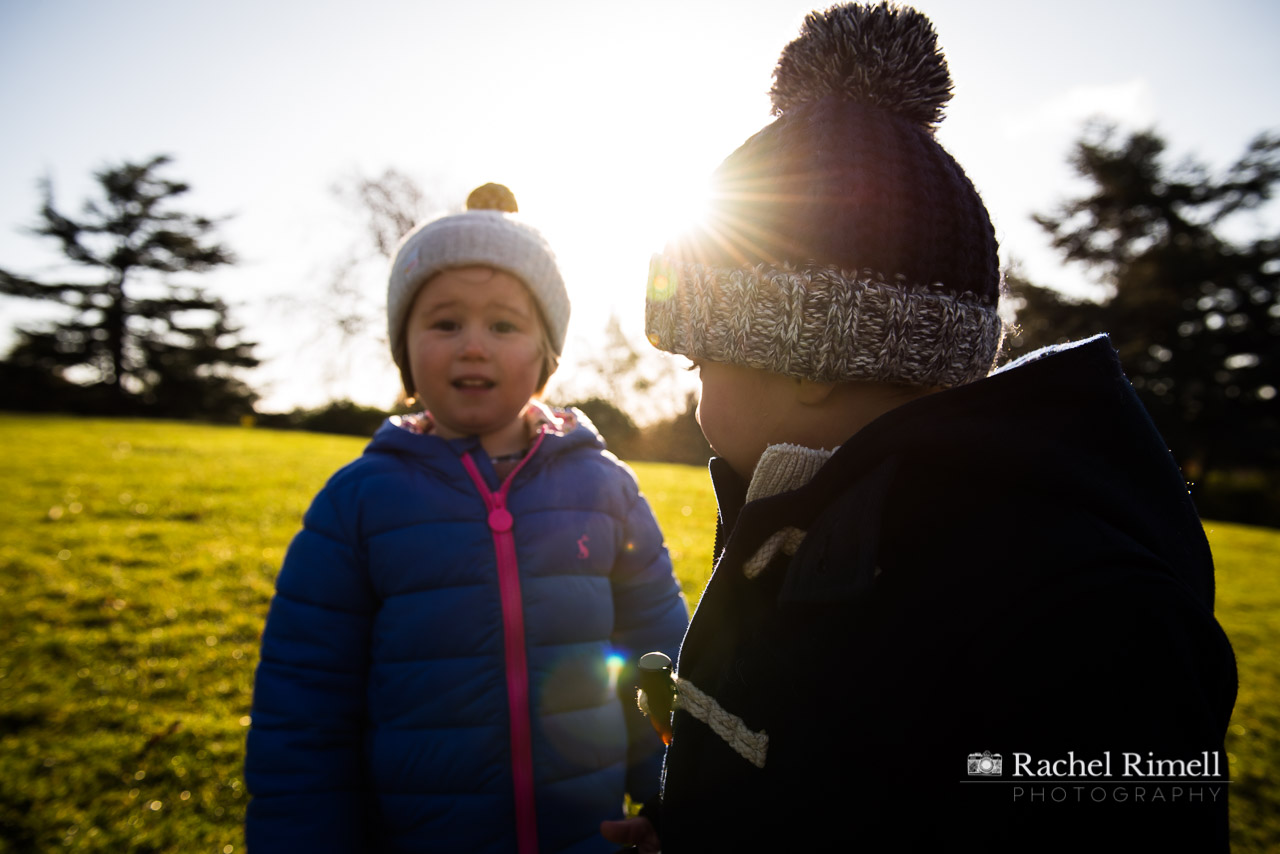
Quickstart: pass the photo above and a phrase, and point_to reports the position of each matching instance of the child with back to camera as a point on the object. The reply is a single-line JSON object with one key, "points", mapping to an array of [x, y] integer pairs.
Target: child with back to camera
{"points": [[434, 671], [952, 609]]}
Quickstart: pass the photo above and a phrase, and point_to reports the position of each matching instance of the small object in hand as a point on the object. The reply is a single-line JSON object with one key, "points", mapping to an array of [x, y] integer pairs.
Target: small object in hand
{"points": [[659, 687]]}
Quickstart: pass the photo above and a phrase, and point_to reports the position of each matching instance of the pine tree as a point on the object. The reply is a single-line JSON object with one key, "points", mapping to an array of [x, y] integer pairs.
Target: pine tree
{"points": [[1192, 308], [135, 342]]}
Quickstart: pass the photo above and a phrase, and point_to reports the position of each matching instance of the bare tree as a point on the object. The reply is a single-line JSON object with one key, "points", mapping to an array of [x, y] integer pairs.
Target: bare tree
{"points": [[390, 204], [631, 376], [348, 313]]}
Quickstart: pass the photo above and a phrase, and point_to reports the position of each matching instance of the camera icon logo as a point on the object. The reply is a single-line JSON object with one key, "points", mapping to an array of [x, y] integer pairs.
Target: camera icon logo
{"points": [[985, 764]]}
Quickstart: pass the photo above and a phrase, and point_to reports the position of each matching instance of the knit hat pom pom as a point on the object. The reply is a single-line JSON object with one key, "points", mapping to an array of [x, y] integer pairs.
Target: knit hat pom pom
{"points": [[882, 56], [492, 197]]}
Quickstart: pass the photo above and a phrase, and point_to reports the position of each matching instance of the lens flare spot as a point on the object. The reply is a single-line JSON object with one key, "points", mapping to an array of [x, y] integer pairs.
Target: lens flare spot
{"points": [[615, 664], [663, 279]]}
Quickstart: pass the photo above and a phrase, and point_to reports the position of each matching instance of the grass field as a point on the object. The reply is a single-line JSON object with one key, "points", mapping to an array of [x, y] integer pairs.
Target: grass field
{"points": [[136, 566]]}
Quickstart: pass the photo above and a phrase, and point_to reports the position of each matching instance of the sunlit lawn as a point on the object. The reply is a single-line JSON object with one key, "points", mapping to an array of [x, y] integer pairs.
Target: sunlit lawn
{"points": [[1248, 607], [136, 565]]}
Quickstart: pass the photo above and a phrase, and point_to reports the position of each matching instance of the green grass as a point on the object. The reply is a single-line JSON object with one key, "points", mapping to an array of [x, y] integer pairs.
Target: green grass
{"points": [[1248, 607], [683, 501], [137, 561], [136, 566]]}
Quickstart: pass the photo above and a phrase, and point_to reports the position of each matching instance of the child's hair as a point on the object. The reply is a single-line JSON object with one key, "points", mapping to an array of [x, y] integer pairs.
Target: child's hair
{"points": [[487, 234], [844, 242]]}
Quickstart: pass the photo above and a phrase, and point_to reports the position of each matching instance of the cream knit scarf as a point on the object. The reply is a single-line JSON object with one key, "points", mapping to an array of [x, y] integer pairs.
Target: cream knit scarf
{"points": [[782, 468]]}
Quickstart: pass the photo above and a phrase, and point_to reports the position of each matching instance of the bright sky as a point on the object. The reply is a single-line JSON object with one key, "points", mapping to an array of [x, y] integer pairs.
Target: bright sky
{"points": [[604, 118]]}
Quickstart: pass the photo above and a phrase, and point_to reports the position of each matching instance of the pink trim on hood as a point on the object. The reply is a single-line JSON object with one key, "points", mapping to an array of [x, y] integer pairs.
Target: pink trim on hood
{"points": [[538, 418]]}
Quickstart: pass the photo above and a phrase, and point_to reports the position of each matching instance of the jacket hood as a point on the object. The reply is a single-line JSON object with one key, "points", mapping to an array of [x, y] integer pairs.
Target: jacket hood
{"points": [[413, 436], [1059, 432]]}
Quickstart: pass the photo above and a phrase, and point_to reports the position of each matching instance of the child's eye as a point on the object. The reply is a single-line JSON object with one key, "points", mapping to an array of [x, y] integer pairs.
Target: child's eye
{"points": [[444, 326], [505, 326]]}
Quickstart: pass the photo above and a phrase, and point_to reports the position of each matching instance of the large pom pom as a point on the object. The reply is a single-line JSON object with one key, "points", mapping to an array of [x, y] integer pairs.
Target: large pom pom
{"points": [[881, 55], [492, 197]]}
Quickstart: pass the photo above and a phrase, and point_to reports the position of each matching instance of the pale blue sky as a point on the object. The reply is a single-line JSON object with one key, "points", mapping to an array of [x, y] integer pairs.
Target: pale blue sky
{"points": [[598, 115]]}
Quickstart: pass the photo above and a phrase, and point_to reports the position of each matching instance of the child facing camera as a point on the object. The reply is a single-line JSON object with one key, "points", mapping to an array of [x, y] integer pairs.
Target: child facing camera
{"points": [[435, 672]]}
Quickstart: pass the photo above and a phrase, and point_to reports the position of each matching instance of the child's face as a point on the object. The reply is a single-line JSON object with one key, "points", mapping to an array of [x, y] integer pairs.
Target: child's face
{"points": [[742, 411], [474, 339]]}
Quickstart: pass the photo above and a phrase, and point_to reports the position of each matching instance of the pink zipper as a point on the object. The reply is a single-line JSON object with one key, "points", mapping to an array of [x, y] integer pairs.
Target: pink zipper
{"points": [[517, 663]]}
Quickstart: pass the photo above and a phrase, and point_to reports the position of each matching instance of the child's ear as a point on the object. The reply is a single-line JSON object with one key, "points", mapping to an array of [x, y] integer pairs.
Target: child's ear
{"points": [[811, 393]]}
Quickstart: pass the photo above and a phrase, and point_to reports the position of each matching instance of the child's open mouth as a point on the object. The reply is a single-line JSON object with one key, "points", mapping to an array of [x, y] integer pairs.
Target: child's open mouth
{"points": [[472, 384]]}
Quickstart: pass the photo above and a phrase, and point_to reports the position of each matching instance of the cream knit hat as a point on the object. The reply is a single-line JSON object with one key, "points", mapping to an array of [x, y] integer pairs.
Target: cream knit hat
{"points": [[487, 234]]}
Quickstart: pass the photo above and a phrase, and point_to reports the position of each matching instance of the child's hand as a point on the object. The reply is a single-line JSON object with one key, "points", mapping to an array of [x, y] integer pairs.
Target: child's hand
{"points": [[636, 831]]}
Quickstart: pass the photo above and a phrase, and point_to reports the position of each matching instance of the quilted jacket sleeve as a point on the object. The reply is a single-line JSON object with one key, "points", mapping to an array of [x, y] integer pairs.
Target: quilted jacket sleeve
{"points": [[303, 763], [650, 614]]}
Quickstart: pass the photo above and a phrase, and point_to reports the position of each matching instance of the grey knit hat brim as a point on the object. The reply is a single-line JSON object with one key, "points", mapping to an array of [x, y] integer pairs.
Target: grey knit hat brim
{"points": [[483, 238], [821, 323]]}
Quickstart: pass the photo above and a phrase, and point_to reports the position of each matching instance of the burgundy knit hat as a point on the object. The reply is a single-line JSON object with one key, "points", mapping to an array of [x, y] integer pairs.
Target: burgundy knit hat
{"points": [[844, 243]]}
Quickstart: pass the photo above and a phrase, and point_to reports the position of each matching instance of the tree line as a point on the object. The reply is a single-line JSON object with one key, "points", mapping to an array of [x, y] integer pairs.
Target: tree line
{"points": [[1188, 266]]}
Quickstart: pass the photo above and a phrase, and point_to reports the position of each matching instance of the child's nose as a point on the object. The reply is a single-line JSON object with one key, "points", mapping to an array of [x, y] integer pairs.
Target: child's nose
{"points": [[473, 343]]}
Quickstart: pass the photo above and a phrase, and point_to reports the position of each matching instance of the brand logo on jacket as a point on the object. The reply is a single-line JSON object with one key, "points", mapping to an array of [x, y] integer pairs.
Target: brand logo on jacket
{"points": [[1120, 777]]}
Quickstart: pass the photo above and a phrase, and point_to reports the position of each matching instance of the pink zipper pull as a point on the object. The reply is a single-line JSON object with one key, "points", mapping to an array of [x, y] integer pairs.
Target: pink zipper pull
{"points": [[500, 519]]}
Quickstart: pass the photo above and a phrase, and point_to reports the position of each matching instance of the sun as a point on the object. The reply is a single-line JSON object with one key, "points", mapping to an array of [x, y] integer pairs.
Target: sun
{"points": [[684, 206], [664, 202], [604, 231]]}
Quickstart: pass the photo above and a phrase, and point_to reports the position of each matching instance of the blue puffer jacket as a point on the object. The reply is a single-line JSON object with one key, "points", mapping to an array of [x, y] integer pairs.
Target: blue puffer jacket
{"points": [[433, 673]]}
